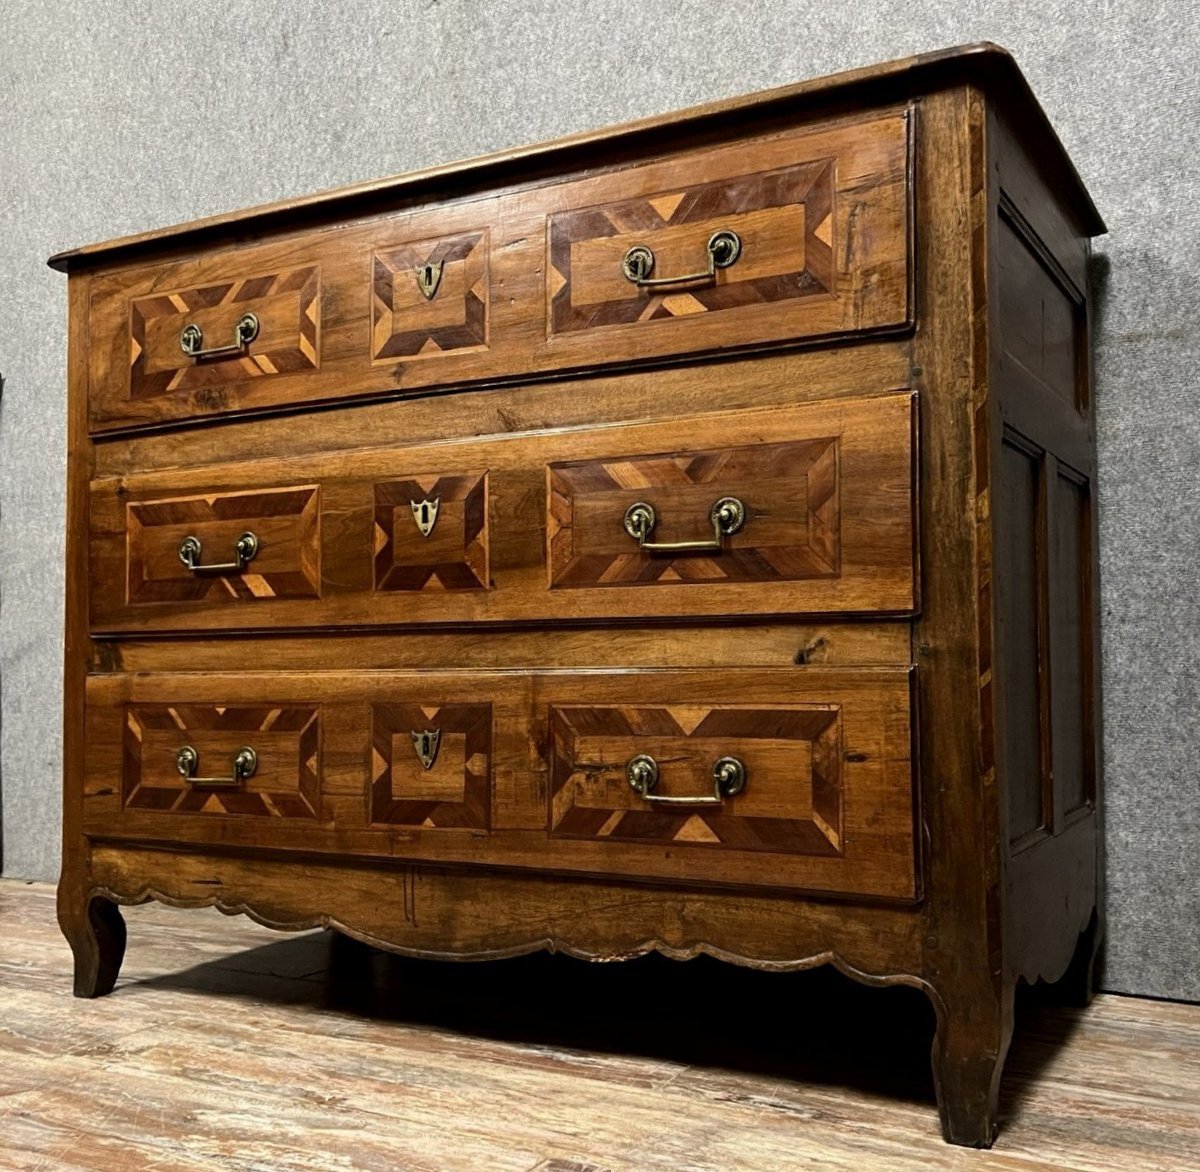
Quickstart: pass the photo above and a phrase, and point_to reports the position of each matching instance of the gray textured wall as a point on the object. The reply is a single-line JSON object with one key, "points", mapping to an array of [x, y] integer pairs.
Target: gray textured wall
{"points": [[118, 116]]}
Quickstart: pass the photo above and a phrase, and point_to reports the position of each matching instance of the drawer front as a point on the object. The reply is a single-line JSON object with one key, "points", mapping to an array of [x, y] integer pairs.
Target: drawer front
{"points": [[791, 778], [760, 512], [269, 541], [785, 778], [259, 760], [323, 315], [294, 759], [569, 525], [410, 300], [804, 235], [195, 340]]}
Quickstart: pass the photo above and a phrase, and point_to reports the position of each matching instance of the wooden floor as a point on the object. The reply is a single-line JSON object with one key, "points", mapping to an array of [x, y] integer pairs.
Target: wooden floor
{"points": [[228, 1046]]}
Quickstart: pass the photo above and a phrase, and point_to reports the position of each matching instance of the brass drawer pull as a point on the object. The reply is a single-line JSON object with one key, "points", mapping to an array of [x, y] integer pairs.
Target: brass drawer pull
{"points": [[728, 774], [191, 341], [244, 550], [245, 762], [727, 516], [724, 247]]}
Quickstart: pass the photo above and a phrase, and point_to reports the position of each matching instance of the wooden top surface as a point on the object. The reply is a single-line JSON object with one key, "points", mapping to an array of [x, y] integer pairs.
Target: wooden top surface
{"points": [[986, 65]]}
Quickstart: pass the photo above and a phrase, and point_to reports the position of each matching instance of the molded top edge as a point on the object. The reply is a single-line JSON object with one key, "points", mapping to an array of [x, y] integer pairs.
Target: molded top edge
{"points": [[986, 65]]}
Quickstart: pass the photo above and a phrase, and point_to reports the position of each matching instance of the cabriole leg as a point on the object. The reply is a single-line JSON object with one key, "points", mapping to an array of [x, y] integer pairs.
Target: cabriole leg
{"points": [[95, 930], [968, 1059]]}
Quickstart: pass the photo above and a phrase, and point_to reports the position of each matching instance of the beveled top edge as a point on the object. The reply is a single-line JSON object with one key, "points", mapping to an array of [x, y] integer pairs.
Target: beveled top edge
{"points": [[984, 64]]}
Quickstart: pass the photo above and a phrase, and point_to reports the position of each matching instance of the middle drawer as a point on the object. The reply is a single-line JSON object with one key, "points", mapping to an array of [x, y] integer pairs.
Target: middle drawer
{"points": [[805, 509]]}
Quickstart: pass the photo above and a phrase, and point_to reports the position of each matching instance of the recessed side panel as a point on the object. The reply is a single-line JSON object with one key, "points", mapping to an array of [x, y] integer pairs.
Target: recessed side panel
{"points": [[1020, 641]]}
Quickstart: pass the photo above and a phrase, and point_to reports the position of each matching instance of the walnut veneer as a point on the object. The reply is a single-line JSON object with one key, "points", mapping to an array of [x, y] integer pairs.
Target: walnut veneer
{"points": [[678, 537]]}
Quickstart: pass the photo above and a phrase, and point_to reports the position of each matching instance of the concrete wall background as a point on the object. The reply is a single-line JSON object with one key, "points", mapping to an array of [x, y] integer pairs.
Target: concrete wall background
{"points": [[118, 116]]}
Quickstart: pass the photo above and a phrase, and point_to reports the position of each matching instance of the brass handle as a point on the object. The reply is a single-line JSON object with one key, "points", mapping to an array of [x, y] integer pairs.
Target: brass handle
{"points": [[724, 247], [728, 774], [245, 762], [191, 341], [727, 516], [244, 550]]}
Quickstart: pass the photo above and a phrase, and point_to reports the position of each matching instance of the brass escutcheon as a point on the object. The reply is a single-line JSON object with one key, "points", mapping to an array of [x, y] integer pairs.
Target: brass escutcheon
{"points": [[425, 514], [429, 277], [426, 743]]}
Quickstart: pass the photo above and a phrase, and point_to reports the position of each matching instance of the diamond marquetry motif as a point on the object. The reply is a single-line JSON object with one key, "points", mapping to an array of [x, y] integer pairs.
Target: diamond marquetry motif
{"points": [[454, 790], [793, 487], [792, 801], [287, 740], [413, 317], [432, 549], [289, 301], [784, 216]]}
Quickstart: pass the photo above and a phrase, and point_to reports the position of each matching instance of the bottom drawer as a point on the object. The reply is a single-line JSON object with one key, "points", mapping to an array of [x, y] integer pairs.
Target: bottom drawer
{"points": [[797, 778]]}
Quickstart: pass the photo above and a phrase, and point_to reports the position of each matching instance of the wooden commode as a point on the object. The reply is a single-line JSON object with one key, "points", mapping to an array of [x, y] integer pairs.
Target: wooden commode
{"points": [[677, 537]]}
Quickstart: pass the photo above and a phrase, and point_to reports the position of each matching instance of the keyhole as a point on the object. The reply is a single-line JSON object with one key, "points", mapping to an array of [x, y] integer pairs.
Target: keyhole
{"points": [[427, 275], [424, 513]]}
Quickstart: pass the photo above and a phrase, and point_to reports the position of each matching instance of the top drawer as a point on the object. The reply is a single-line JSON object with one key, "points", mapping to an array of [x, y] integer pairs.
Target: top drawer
{"points": [[798, 236], [766, 241]]}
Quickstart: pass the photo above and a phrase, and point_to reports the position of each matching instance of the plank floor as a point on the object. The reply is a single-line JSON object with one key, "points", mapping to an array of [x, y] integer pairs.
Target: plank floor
{"points": [[229, 1046]]}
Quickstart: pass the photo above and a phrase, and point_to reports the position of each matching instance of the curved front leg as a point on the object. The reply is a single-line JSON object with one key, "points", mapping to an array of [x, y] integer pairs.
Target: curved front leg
{"points": [[95, 930], [968, 1059]]}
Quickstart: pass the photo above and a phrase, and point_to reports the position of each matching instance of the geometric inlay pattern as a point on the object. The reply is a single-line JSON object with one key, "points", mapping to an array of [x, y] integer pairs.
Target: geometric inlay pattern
{"points": [[407, 324], [453, 555], [785, 218], [287, 565], [454, 793], [287, 739], [791, 803], [791, 529], [287, 304]]}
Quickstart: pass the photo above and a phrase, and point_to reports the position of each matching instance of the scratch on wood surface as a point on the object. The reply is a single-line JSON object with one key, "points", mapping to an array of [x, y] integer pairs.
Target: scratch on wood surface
{"points": [[250, 1067]]}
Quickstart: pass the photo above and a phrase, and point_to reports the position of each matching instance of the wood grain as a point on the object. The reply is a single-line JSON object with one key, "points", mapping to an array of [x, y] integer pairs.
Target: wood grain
{"points": [[833, 812], [339, 323], [829, 529], [358, 1060], [899, 642]]}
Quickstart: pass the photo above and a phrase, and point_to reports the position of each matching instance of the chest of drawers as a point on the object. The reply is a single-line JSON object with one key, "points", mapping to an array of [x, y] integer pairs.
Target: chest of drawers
{"points": [[679, 537]]}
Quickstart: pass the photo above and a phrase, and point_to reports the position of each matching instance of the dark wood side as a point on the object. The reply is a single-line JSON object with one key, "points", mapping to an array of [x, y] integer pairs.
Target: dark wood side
{"points": [[1045, 601]]}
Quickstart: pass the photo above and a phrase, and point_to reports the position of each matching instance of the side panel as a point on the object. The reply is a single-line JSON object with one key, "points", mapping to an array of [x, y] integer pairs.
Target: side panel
{"points": [[1046, 605]]}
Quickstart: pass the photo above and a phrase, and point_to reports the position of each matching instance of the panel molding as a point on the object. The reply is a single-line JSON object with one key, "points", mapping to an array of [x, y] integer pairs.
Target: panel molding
{"points": [[170, 793]]}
